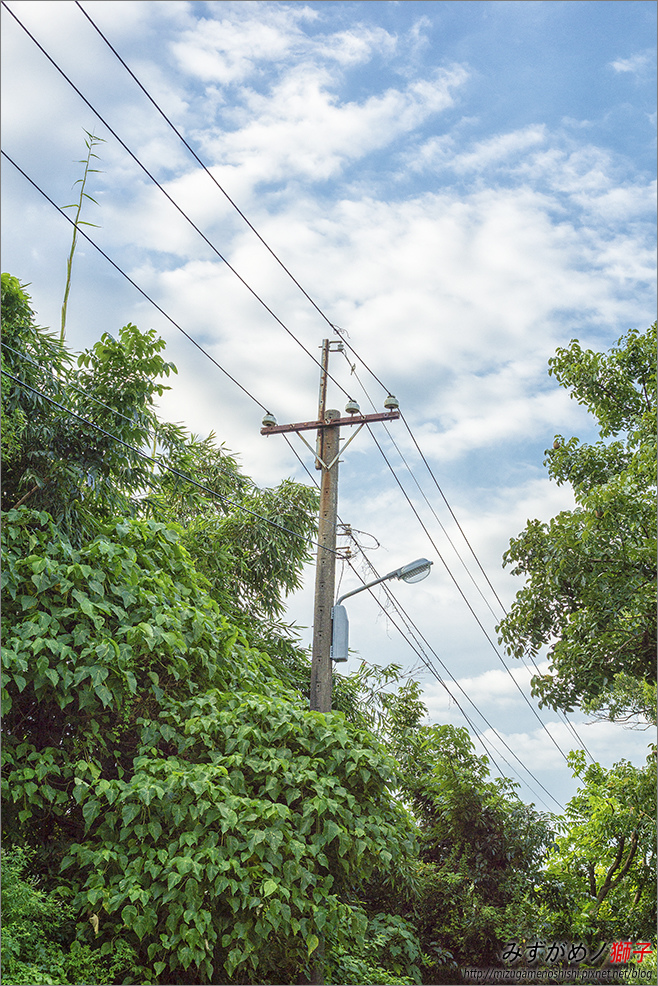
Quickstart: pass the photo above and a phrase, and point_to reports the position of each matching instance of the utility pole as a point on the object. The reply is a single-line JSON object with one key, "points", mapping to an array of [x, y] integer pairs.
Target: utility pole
{"points": [[327, 454]]}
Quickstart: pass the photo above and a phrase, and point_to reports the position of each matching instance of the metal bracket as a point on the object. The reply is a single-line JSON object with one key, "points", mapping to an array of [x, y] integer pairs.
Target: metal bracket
{"points": [[335, 459]]}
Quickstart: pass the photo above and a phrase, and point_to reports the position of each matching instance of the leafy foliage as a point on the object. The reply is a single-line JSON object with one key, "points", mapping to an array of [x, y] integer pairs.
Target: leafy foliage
{"points": [[59, 463], [38, 927], [600, 880], [480, 845], [590, 593], [145, 736]]}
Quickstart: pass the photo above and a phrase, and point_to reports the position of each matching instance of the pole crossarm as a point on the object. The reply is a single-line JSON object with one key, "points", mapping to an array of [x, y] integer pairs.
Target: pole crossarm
{"points": [[354, 419]]}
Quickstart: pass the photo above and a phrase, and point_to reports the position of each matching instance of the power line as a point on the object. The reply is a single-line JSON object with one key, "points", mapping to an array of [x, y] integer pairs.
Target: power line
{"points": [[158, 461], [204, 166], [569, 725], [136, 286], [405, 616], [461, 592], [173, 202], [422, 493]]}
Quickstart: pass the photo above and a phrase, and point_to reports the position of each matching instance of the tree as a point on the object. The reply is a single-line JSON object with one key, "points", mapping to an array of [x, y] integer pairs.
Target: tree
{"points": [[208, 825], [59, 462], [600, 874], [481, 847], [590, 594]]}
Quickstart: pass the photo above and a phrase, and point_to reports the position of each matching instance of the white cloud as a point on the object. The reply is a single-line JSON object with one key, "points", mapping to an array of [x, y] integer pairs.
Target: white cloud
{"points": [[301, 128], [438, 152], [636, 64], [253, 37]]}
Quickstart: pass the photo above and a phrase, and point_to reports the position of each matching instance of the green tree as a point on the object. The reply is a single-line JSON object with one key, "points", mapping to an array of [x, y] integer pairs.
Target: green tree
{"points": [[59, 462], [481, 847], [590, 592], [600, 882]]}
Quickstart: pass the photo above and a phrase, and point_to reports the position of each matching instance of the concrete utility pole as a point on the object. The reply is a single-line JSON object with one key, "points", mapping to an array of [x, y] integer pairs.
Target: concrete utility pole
{"points": [[327, 453]]}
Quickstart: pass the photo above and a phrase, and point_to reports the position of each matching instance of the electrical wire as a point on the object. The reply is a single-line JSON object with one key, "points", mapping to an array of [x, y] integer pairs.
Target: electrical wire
{"points": [[278, 260], [421, 491], [204, 166], [416, 631], [136, 286], [562, 715], [173, 202], [461, 592], [244, 282], [159, 462]]}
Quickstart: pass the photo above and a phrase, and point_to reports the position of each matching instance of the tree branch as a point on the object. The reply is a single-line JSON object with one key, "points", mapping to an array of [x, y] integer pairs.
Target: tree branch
{"points": [[24, 498], [609, 883]]}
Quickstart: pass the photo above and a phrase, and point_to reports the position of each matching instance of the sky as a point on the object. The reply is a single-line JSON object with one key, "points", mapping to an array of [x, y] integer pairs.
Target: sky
{"points": [[461, 187]]}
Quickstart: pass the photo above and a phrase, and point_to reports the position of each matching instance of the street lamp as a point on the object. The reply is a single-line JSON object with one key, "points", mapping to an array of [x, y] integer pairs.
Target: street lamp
{"points": [[413, 572]]}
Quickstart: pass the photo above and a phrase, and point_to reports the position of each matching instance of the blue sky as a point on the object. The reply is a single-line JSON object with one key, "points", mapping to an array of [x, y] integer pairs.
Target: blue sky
{"points": [[461, 186]]}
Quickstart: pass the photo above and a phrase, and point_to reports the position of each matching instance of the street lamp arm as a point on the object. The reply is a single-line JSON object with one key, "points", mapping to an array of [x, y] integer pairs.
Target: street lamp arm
{"points": [[369, 585], [413, 572]]}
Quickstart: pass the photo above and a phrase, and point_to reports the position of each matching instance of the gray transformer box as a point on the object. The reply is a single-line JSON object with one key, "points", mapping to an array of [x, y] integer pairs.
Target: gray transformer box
{"points": [[339, 633]]}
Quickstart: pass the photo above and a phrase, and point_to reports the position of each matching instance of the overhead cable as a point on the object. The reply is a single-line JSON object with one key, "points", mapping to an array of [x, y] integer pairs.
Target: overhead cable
{"points": [[461, 592], [174, 203], [204, 166], [136, 286], [569, 724]]}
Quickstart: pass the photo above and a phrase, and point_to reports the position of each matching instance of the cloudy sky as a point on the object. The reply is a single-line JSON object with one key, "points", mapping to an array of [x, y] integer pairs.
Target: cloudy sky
{"points": [[459, 186]]}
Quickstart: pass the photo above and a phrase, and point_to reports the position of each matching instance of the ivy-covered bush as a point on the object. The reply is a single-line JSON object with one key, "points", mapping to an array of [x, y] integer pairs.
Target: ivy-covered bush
{"points": [[206, 817]]}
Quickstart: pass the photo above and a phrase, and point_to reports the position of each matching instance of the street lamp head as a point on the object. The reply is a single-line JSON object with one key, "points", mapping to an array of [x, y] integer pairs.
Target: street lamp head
{"points": [[415, 571]]}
